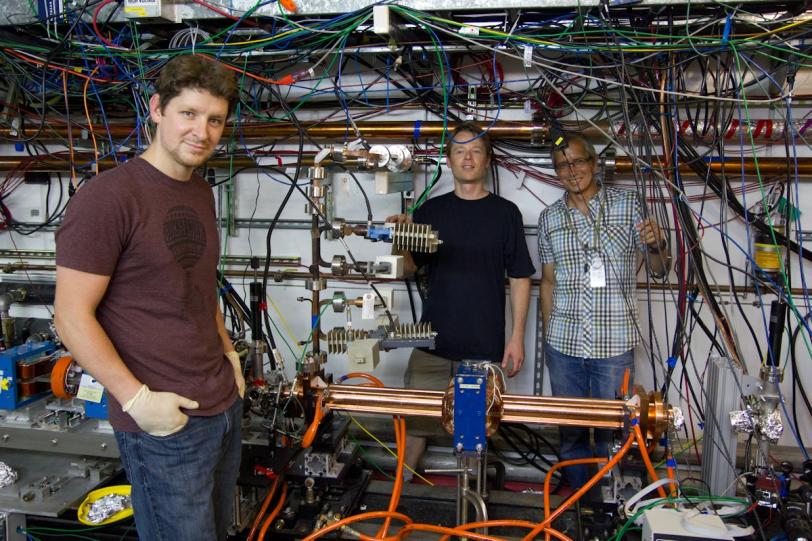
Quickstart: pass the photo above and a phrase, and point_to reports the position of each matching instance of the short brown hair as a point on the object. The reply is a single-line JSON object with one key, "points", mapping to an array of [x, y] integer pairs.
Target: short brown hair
{"points": [[476, 129], [196, 72]]}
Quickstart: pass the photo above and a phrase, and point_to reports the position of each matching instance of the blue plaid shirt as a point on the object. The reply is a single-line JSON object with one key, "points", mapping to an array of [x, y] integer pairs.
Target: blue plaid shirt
{"points": [[586, 321]]}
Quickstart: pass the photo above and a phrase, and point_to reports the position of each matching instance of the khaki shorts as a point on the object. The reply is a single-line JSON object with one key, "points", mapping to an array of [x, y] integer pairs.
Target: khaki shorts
{"points": [[432, 373]]}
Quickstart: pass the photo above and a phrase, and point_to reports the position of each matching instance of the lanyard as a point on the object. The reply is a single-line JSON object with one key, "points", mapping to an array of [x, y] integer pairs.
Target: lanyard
{"points": [[595, 226]]}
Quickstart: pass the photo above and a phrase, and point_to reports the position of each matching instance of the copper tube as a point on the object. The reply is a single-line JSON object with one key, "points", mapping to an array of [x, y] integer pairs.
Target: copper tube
{"points": [[623, 165], [585, 412], [764, 131]]}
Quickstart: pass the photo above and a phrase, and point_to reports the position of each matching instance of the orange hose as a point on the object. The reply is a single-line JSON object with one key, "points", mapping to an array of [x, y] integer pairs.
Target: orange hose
{"points": [[262, 510], [556, 533], [268, 521], [498, 523], [357, 518], [624, 388], [553, 469], [310, 434], [363, 375], [641, 444], [442, 529], [581, 491], [400, 440]]}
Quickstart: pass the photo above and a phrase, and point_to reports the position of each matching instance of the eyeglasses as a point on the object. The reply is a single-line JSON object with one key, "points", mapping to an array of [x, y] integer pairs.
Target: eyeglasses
{"points": [[577, 162]]}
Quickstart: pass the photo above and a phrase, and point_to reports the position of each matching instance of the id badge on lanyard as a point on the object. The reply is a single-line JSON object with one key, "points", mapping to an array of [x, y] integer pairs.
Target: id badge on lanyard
{"points": [[597, 272]]}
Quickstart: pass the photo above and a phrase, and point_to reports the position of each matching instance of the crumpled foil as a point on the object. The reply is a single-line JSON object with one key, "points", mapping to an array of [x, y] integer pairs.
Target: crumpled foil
{"points": [[677, 418], [107, 506], [742, 421], [771, 425], [7, 475]]}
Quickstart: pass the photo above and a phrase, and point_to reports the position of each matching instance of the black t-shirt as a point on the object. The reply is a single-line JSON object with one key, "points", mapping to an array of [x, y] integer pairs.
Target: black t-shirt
{"points": [[483, 240]]}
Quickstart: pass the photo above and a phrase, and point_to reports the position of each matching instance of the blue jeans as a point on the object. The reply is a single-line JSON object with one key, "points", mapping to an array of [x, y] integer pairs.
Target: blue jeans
{"points": [[581, 377], [183, 485]]}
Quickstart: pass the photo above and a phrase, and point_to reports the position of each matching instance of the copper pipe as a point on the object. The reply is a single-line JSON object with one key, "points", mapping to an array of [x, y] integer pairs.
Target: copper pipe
{"points": [[760, 130], [583, 412]]}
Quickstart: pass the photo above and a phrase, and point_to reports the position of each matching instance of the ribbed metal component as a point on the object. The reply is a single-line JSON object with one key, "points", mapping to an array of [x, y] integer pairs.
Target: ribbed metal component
{"points": [[337, 338], [415, 238], [414, 331]]}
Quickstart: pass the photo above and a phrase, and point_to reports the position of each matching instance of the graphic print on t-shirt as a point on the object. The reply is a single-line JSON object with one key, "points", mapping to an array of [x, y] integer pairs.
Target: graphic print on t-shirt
{"points": [[185, 237]]}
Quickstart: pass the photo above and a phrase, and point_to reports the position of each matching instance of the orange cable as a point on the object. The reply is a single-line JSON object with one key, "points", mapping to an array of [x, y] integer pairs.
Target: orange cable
{"points": [[400, 440], [357, 518], [262, 510], [553, 469], [268, 521], [641, 444], [442, 529], [69, 71], [581, 491], [624, 388], [310, 434], [503, 523], [363, 375]]}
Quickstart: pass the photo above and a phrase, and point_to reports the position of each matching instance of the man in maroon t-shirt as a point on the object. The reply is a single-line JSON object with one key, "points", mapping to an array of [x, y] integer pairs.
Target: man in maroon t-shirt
{"points": [[136, 304]]}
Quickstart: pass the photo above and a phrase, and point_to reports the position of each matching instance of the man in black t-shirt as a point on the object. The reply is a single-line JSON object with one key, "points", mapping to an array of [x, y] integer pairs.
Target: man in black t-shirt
{"points": [[482, 241]]}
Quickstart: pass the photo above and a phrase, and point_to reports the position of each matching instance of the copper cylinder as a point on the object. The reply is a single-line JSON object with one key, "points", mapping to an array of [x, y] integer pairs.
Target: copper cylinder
{"points": [[583, 412]]}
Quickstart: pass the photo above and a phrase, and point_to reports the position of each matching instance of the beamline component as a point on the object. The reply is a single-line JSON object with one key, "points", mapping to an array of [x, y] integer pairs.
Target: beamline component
{"points": [[584, 412]]}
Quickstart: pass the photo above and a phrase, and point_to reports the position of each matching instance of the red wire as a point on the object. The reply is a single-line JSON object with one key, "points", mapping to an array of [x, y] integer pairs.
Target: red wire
{"points": [[224, 13], [95, 21]]}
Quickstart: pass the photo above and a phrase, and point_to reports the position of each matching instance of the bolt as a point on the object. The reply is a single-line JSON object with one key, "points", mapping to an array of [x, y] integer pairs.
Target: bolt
{"points": [[6, 437], [459, 380], [54, 441], [479, 381], [103, 445]]}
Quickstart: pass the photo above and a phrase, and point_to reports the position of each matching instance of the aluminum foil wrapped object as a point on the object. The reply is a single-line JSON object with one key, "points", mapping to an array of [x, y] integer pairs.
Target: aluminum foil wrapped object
{"points": [[677, 418], [771, 425], [7, 475], [107, 506], [742, 421]]}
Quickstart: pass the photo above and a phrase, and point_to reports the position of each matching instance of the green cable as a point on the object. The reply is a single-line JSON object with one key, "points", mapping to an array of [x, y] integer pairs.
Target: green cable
{"points": [[310, 337]]}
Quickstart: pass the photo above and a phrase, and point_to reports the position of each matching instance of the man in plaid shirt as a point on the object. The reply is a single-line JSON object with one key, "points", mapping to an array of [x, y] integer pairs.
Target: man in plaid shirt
{"points": [[589, 241]]}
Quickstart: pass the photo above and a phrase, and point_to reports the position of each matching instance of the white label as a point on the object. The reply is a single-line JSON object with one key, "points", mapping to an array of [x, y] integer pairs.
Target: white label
{"points": [[90, 389], [469, 30], [597, 273], [528, 56], [368, 307]]}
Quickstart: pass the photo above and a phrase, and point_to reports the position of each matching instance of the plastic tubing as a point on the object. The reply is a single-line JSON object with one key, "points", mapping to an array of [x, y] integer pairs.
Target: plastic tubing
{"points": [[363, 375], [581, 491], [641, 444], [400, 439], [357, 518], [310, 435], [268, 521], [262, 510], [549, 476], [509, 524]]}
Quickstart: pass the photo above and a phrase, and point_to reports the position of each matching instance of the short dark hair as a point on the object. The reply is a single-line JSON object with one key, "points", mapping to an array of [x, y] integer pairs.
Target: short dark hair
{"points": [[196, 72], [476, 129]]}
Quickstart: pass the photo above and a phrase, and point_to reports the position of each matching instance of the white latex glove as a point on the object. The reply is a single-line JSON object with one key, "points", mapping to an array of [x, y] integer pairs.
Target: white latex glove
{"points": [[158, 413], [239, 379]]}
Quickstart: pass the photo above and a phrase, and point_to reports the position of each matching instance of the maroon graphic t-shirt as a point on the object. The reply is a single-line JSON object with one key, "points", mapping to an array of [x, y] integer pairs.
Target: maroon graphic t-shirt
{"points": [[157, 239]]}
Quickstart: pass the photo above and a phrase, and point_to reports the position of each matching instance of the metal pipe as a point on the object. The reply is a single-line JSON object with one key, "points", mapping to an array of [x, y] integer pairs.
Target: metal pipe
{"points": [[581, 412], [623, 165], [760, 130]]}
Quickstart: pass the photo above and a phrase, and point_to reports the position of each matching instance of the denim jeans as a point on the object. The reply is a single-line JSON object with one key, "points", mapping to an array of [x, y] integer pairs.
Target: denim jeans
{"points": [[183, 485], [581, 377]]}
